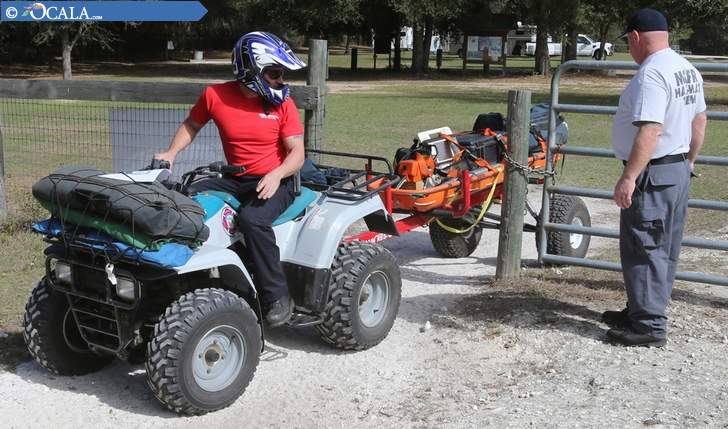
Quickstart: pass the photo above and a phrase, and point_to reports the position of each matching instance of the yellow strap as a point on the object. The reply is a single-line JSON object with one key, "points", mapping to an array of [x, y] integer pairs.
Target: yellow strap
{"points": [[484, 208]]}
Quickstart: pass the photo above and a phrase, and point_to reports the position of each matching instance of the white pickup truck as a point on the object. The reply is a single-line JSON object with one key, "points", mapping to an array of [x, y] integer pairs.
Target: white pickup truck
{"points": [[585, 46]]}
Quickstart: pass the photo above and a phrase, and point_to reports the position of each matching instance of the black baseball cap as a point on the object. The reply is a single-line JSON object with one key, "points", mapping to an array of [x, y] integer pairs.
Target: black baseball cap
{"points": [[645, 20]]}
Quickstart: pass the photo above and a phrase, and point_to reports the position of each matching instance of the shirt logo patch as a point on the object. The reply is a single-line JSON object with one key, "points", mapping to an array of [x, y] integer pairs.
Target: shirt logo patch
{"points": [[270, 116]]}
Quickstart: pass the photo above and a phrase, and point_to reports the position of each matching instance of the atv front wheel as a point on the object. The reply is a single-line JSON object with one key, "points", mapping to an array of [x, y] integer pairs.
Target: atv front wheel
{"points": [[568, 210], [365, 290], [204, 352], [52, 335]]}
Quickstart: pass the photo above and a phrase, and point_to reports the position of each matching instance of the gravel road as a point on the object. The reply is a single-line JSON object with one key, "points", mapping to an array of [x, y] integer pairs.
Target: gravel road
{"points": [[526, 353]]}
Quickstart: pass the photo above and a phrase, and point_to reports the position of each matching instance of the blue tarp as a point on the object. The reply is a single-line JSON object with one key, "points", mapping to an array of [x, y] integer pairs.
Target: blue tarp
{"points": [[169, 255]]}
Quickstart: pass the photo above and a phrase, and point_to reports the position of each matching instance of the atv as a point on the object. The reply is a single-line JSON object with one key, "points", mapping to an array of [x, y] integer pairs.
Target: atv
{"points": [[198, 327]]}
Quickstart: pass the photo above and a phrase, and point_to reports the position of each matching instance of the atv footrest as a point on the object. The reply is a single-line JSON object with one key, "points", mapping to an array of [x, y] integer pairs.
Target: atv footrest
{"points": [[304, 319]]}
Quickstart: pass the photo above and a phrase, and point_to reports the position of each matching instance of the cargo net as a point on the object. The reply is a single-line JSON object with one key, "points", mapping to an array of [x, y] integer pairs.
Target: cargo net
{"points": [[118, 216]]}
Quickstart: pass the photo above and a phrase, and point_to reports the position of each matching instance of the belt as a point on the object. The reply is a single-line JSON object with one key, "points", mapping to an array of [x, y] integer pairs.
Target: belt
{"points": [[667, 159]]}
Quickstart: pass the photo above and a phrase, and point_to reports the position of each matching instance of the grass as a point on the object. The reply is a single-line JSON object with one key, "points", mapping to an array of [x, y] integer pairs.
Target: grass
{"points": [[362, 116]]}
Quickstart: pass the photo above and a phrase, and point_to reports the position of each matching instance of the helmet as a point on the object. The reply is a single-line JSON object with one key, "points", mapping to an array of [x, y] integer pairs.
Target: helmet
{"points": [[253, 53]]}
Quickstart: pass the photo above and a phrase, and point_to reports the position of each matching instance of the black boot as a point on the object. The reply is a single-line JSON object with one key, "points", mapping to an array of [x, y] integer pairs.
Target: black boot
{"points": [[616, 319], [628, 337], [279, 311]]}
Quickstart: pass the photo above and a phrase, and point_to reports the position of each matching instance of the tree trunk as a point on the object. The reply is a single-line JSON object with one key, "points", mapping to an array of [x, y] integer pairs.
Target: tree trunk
{"points": [[346, 45], [426, 45], [571, 43], [67, 48], [416, 48], [542, 59], [603, 37], [397, 51]]}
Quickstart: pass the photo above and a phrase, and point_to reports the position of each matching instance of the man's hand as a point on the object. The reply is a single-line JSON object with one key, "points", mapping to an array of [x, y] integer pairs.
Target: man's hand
{"points": [[623, 191], [167, 156], [268, 185]]}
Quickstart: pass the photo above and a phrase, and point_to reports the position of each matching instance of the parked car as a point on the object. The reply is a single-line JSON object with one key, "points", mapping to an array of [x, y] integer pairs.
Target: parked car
{"points": [[585, 46], [554, 48]]}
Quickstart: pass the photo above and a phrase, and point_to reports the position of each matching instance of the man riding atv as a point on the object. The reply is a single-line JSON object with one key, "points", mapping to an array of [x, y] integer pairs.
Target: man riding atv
{"points": [[260, 130]]}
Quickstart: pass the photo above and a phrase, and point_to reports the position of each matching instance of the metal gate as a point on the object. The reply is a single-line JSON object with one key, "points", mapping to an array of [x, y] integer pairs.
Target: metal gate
{"points": [[549, 186]]}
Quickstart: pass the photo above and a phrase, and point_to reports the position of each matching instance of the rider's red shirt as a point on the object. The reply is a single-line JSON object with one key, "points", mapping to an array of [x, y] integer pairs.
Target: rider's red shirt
{"points": [[249, 136]]}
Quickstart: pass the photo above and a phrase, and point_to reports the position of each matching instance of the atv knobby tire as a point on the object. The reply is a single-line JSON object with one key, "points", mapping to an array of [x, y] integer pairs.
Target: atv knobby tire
{"points": [[52, 336], [571, 210], [204, 352], [364, 293], [452, 245]]}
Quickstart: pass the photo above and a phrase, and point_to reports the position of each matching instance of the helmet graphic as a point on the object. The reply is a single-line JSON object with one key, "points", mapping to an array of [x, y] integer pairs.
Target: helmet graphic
{"points": [[253, 53]]}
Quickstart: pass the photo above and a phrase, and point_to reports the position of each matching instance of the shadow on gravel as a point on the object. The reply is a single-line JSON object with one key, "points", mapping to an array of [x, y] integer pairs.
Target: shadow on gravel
{"points": [[305, 339], [692, 297], [517, 309], [121, 387], [12, 351]]}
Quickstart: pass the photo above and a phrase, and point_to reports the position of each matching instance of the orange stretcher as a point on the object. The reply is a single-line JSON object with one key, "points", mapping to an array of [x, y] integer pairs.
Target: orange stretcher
{"points": [[465, 180]]}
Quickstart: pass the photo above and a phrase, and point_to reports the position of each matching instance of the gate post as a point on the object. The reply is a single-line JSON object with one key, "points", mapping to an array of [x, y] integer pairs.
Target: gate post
{"points": [[317, 74], [508, 264]]}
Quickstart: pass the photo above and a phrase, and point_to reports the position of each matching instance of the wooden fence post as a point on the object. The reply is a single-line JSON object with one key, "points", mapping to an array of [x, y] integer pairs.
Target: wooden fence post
{"points": [[508, 264], [317, 73], [3, 206]]}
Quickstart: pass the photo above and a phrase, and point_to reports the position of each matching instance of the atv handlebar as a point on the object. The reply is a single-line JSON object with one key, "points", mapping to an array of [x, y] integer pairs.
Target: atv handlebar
{"points": [[215, 169], [159, 164], [221, 167]]}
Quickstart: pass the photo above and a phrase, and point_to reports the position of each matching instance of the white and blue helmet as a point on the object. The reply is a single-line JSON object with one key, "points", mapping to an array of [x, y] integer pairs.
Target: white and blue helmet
{"points": [[253, 53]]}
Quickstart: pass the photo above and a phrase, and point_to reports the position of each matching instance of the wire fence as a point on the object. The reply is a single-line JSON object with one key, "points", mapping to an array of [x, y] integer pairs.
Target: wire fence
{"points": [[65, 124]]}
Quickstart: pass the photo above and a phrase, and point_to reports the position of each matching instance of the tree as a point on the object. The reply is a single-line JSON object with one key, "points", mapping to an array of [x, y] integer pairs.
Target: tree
{"points": [[422, 16], [71, 33], [550, 19]]}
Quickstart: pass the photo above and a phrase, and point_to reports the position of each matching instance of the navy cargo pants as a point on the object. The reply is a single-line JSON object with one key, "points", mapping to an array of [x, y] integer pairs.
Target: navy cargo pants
{"points": [[650, 233], [255, 219]]}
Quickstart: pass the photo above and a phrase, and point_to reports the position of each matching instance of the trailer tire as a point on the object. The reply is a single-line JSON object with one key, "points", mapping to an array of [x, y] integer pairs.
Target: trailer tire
{"points": [[365, 289], [452, 245], [52, 336], [567, 209]]}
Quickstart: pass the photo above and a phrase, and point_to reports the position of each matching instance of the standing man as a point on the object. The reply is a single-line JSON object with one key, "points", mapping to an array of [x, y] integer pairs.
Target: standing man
{"points": [[261, 130], [658, 131]]}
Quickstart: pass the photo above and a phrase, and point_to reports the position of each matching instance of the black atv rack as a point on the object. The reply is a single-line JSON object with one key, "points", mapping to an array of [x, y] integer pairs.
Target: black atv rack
{"points": [[353, 184]]}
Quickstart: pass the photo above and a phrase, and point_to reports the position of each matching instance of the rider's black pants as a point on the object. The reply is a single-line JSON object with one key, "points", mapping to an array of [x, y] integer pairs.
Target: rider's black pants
{"points": [[255, 218]]}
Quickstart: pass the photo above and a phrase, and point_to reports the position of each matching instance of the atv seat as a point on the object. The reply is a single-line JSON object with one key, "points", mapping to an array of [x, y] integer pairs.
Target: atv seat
{"points": [[299, 204]]}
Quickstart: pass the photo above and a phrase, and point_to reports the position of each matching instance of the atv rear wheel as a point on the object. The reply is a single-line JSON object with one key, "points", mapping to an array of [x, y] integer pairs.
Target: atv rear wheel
{"points": [[204, 352], [453, 245], [569, 210], [52, 335], [365, 290]]}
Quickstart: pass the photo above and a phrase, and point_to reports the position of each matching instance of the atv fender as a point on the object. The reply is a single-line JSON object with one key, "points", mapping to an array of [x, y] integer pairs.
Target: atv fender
{"points": [[227, 263], [313, 241]]}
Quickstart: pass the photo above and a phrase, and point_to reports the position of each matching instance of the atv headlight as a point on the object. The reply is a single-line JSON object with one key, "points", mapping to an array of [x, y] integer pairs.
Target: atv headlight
{"points": [[125, 288], [62, 272]]}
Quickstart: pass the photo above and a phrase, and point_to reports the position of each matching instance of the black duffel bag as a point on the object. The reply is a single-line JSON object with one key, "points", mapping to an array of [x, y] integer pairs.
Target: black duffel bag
{"points": [[147, 208]]}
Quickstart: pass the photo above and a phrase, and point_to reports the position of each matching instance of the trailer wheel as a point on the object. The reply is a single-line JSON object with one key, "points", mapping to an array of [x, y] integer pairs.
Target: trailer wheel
{"points": [[570, 210], [365, 290], [204, 352], [52, 336], [453, 245]]}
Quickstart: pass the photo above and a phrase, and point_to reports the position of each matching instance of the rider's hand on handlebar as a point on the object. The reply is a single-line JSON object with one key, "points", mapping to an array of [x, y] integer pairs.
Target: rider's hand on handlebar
{"points": [[167, 156]]}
